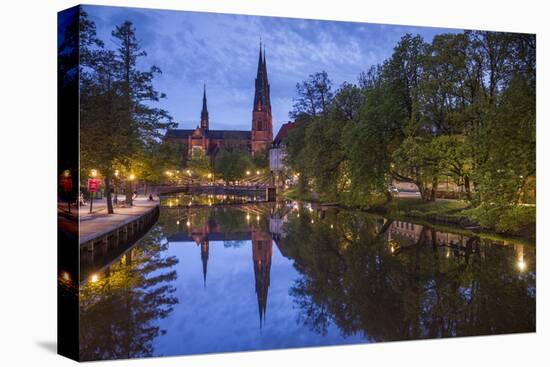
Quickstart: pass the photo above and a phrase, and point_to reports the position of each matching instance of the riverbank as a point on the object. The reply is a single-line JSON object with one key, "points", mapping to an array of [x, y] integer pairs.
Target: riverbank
{"points": [[462, 214], [446, 212]]}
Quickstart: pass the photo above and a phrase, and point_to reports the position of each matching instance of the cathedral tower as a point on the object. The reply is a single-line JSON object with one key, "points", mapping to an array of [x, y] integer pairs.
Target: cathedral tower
{"points": [[262, 128]]}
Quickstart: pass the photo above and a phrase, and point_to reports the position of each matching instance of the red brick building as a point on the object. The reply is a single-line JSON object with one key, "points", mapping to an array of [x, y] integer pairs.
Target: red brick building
{"points": [[257, 139]]}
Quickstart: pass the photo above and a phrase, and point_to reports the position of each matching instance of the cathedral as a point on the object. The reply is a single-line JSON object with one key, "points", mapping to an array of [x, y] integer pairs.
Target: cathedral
{"points": [[257, 139]]}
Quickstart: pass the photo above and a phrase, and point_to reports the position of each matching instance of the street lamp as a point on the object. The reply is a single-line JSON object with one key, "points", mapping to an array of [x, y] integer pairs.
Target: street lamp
{"points": [[93, 175], [67, 186], [131, 178], [117, 173]]}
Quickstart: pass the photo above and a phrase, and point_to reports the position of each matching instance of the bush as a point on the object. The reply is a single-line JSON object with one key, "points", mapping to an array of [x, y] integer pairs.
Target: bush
{"points": [[509, 218]]}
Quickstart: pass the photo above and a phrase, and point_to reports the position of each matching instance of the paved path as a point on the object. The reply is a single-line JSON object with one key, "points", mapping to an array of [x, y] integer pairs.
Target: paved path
{"points": [[99, 222]]}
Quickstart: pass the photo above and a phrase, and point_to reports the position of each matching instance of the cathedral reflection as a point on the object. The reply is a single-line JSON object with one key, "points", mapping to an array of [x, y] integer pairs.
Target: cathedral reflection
{"points": [[254, 225]]}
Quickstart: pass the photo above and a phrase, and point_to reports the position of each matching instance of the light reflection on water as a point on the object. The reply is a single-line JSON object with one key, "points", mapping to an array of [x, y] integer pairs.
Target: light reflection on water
{"points": [[263, 276]]}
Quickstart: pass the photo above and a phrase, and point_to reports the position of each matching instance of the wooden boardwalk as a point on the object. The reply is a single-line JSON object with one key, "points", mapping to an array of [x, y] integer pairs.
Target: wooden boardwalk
{"points": [[97, 225]]}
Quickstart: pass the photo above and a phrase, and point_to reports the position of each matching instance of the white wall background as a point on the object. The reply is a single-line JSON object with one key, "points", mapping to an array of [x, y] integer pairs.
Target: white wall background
{"points": [[28, 182]]}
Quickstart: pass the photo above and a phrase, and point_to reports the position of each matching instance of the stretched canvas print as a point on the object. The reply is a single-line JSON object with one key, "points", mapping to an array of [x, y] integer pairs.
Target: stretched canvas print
{"points": [[233, 183]]}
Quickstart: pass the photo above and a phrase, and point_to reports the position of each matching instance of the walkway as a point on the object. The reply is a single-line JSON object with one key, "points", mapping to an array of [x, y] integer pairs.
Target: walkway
{"points": [[99, 222]]}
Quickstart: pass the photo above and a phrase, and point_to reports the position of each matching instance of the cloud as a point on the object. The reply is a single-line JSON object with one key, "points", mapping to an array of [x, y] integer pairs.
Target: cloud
{"points": [[222, 50]]}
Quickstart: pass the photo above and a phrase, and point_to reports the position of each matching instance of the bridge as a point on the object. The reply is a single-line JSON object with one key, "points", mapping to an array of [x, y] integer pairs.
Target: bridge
{"points": [[259, 189]]}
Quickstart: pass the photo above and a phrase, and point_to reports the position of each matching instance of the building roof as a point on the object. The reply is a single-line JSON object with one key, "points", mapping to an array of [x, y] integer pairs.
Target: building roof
{"points": [[283, 132], [229, 134], [179, 133], [212, 134]]}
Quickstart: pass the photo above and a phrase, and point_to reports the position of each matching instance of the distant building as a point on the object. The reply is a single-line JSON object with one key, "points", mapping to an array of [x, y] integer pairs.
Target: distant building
{"points": [[211, 141], [276, 151]]}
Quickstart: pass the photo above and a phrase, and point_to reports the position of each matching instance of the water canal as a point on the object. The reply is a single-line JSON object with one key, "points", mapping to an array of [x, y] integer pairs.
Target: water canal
{"points": [[221, 274]]}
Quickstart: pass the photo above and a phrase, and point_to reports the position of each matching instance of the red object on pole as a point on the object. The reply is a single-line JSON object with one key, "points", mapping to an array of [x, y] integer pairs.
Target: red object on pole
{"points": [[93, 184], [67, 184]]}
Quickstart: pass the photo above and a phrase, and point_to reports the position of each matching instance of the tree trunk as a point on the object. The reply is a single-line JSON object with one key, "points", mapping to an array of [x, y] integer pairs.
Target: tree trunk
{"points": [[422, 190], [389, 197], [108, 195], [434, 190], [467, 188], [129, 192]]}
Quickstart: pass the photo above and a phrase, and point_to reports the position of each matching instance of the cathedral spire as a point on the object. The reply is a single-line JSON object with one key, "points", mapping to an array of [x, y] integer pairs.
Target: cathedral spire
{"points": [[204, 112], [261, 95], [262, 122]]}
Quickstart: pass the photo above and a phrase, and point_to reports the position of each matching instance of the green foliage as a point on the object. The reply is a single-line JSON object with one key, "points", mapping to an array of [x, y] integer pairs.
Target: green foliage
{"points": [[460, 109], [231, 164], [156, 160], [120, 128], [507, 218], [260, 159], [314, 96], [199, 164]]}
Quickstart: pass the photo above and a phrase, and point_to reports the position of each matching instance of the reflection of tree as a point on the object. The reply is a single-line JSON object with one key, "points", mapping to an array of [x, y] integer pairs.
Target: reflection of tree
{"points": [[119, 311], [227, 220], [350, 277]]}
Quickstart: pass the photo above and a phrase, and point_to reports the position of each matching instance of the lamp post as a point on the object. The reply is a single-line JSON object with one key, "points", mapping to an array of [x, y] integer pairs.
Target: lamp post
{"points": [[117, 173], [92, 187], [131, 178], [67, 186]]}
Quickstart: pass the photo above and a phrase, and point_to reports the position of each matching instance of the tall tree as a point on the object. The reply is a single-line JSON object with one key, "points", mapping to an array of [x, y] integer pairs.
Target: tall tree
{"points": [[146, 122], [314, 96]]}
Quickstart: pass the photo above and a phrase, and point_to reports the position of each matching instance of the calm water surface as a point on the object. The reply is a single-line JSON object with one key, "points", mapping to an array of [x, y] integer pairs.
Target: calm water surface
{"points": [[252, 276]]}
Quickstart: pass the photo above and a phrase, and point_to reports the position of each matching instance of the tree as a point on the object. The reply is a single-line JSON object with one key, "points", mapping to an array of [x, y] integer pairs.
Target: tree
{"points": [[231, 164], [199, 164], [101, 120], [145, 122], [314, 96], [417, 161], [119, 126]]}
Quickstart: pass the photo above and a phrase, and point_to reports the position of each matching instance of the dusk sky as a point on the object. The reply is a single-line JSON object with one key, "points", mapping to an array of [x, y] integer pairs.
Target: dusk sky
{"points": [[222, 50]]}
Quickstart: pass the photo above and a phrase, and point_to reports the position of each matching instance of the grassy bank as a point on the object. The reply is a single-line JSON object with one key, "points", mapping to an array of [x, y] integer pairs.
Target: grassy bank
{"points": [[440, 210], [515, 221]]}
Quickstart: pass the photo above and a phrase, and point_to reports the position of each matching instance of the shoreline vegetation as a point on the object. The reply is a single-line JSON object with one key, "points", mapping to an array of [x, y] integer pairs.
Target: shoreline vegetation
{"points": [[454, 117], [458, 214]]}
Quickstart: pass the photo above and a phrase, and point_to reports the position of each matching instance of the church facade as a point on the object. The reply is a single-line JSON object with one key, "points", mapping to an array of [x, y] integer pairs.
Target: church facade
{"points": [[257, 139]]}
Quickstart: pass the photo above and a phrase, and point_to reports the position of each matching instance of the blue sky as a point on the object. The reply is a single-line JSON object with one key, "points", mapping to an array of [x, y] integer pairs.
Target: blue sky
{"points": [[222, 50]]}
